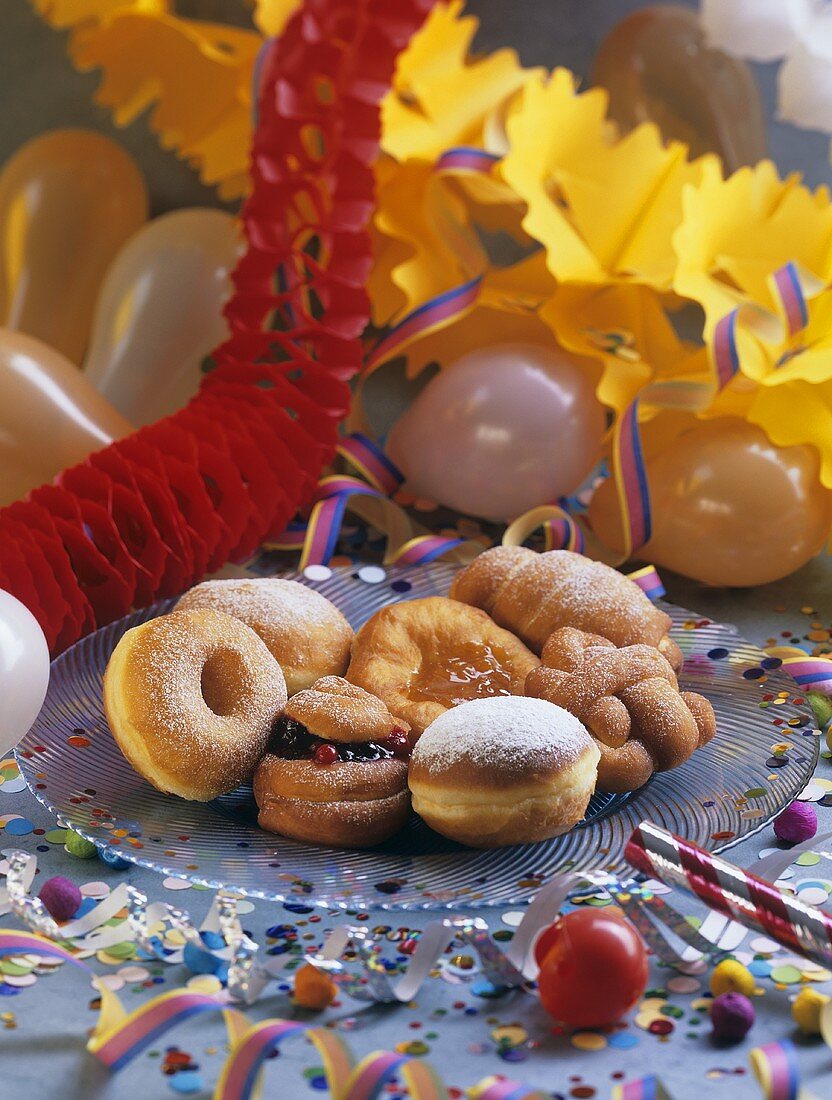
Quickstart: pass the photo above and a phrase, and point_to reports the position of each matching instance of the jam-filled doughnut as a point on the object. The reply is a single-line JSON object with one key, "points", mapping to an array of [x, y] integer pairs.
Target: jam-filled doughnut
{"points": [[306, 634], [424, 656], [503, 771], [191, 699], [336, 769]]}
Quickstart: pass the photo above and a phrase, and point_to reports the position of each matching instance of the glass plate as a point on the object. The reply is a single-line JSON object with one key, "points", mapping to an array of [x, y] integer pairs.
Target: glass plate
{"points": [[723, 793]]}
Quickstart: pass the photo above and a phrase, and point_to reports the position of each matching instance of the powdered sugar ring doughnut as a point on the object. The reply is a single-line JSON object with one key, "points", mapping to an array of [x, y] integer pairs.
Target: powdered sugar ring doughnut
{"points": [[191, 699], [504, 770]]}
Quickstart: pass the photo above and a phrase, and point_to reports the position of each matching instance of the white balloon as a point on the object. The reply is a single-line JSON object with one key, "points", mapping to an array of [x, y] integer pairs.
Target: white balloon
{"points": [[24, 670], [160, 312]]}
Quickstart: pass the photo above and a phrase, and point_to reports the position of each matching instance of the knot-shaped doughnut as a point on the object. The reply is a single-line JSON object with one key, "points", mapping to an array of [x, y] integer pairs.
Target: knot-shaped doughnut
{"points": [[629, 700]]}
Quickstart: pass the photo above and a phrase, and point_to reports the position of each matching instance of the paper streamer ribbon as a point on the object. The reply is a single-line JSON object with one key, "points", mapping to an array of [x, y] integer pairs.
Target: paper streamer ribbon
{"points": [[338, 493], [790, 289], [119, 1038], [645, 1088], [151, 514]]}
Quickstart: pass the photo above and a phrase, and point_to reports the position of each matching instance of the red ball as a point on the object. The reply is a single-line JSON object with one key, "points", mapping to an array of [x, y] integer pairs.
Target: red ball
{"points": [[593, 968]]}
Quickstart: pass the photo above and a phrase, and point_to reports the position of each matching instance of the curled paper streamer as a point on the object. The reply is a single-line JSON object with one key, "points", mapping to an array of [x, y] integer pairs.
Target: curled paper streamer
{"points": [[152, 513], [668, 934]]}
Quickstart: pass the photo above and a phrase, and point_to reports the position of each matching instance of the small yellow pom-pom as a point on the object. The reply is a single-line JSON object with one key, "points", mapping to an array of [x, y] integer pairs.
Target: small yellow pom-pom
{"points": [[313, 988], [729, 976], [806, 1009]]}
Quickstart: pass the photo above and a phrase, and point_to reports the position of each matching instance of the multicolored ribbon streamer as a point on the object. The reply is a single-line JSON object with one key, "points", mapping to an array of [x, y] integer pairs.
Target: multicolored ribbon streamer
{"points": [[630, 475], [791, 289], [642, 1088], [560, 530], [442, 310], [775, 1067], [649, 582], [811, 673]]}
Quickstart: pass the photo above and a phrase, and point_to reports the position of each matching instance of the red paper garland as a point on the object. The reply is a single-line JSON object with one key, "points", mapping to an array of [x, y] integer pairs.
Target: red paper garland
{"points": [[152, 513]]}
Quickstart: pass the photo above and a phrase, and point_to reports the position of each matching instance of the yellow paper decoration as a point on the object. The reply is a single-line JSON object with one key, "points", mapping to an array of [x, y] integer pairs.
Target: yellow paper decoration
{"points": [[506, 311], [603, 209], [441, 99], [734, 233], [271, 16], [426, 242], [626, 327]]}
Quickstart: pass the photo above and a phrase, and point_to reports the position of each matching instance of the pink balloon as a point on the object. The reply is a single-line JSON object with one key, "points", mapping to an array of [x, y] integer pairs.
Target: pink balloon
{"points": [[501, 431]]}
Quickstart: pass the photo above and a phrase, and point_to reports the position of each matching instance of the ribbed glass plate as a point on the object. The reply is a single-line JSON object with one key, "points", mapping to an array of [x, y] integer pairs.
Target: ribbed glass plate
{"points": [[726, 791]]}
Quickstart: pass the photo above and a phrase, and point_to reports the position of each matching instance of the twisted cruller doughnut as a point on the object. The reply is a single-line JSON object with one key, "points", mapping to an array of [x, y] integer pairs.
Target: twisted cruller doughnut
{"points": [[628, 699]]}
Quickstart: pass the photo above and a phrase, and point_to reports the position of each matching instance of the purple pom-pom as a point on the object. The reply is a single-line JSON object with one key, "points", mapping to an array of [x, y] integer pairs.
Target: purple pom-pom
{"points": [[796, 823], [61, 897], [732, 1017]]}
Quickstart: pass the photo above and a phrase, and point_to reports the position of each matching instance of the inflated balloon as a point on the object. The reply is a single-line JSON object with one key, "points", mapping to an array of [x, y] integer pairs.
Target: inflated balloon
{"points": [[657, 68], [68, 202], [159, 313], [500, 431], [728, 507], [24, 670], [50, 415]]}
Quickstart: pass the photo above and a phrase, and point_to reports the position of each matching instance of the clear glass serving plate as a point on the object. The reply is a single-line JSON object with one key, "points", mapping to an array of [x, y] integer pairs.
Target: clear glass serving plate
{"points": [[726, 791]]}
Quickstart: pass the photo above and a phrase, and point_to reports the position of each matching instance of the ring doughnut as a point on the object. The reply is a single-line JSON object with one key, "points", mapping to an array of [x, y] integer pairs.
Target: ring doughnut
{"points": [[191, 699]]}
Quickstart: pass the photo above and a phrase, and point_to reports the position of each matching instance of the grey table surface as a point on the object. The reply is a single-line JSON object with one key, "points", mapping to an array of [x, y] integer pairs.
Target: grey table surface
{"points": [[44, 1026], [42, 1041]]}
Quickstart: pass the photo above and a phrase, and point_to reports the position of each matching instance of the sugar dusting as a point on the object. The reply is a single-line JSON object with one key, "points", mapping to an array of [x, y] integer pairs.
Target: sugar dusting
{"points": [[279, 603], [507, 731]]}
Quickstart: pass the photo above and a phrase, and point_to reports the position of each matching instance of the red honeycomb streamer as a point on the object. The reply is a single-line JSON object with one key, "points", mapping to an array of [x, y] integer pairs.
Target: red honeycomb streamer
{"points": [[152, 513]]}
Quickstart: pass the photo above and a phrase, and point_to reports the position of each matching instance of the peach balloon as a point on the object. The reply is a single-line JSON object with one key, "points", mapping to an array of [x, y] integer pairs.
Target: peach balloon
{"points": [[159, 313], [658, 68], [68, 202], [50, 415], [728, 506], [500, 431]]}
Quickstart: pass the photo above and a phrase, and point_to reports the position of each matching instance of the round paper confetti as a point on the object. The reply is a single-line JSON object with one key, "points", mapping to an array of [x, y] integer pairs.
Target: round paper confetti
{"points": [[589, 1040], [785, 975], [317, 572], [95, 890], [176, 884], [371, 574]]}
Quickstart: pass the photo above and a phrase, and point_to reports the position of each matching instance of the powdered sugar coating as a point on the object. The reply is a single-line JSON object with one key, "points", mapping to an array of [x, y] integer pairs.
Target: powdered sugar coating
{"points": [[279, 603], [509, 732], [307, 635]]}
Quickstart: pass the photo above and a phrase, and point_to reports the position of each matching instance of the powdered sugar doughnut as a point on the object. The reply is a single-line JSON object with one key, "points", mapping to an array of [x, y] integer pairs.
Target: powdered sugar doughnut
{"points": [[191, 699], [305, 633], [505, 770]]}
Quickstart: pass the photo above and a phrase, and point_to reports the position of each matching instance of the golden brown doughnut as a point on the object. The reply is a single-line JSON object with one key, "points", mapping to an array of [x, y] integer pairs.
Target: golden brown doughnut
{"points": [[423, 656], [191, 699], [629, 701], [336, 710], [504, 770], [336, 770], [307, 635], [534, 594], [348, 804]]}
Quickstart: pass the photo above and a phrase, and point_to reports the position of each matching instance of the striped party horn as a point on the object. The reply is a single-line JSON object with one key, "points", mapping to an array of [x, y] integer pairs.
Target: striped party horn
{"points": [[751, 901]]}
